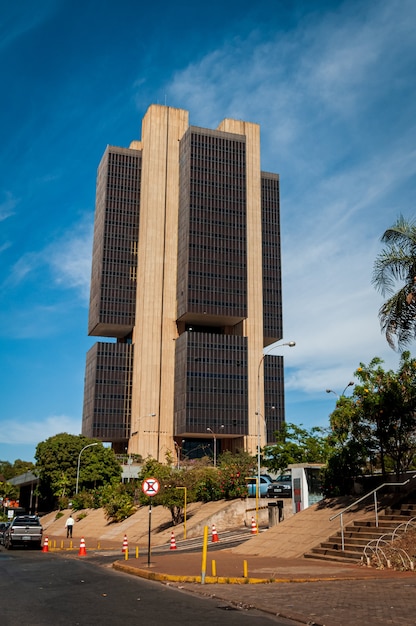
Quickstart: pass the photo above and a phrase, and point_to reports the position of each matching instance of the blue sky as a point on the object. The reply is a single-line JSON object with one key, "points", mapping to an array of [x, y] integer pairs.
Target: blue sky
{"points": [[332, 85]]}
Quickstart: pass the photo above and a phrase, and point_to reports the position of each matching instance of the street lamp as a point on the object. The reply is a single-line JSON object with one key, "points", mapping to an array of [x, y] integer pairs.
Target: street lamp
{"points": [[79, 461], [350, 384], [178, 452], [138, 420], [184, 510], [215, 443], [290, 344]]}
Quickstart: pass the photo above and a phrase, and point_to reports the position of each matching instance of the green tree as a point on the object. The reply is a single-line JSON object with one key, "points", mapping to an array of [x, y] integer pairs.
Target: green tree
{"points": [[10, 470], [394, 265], [8, 491], [168, 495], [295, 444], [57, 463], [380, 416]]}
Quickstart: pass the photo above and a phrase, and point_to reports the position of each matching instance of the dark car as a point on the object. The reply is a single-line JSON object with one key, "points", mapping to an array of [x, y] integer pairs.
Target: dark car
{"points": [[3, 527], [281, 487]]}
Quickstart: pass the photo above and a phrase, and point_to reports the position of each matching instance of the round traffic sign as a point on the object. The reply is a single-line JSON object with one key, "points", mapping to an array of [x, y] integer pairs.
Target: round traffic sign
{"points": [[150, 486]]}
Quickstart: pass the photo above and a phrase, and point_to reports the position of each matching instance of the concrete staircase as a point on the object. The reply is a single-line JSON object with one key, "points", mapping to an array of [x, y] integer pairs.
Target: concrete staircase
{"points": [[359, 533]]}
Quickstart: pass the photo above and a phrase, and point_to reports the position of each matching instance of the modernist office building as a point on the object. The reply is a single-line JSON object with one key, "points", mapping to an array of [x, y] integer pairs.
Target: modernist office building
{"points": [[186, 280]]}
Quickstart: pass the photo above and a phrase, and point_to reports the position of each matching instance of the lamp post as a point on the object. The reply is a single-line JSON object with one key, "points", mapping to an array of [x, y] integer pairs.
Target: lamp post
{"points": [[215, 443], [350, 384], [138, 420], [79, 461], [290, 344], [184, 510], [178, 452]]}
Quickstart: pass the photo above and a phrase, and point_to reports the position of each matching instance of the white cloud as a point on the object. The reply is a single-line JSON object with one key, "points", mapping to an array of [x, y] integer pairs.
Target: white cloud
{"points": [[8, 206], [332, 98], [33, 431], [70, 259]]}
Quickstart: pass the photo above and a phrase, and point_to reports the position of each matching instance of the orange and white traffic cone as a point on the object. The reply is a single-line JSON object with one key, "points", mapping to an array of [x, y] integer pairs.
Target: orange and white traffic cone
{"points": [[253, 526], [82, 549], [172, 541], [45, 547], [125, 545], [214, 537]]}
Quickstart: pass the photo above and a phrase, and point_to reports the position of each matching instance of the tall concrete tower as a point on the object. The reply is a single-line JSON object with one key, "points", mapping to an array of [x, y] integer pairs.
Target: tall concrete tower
{"points": [[186, 278]]}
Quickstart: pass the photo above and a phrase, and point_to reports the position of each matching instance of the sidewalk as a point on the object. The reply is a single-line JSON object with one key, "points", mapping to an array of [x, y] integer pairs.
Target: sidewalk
{"points": [[308, 591]]}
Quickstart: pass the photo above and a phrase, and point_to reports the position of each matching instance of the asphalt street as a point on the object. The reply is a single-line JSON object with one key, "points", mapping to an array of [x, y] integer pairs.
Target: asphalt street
{"points": [[45, 588]]}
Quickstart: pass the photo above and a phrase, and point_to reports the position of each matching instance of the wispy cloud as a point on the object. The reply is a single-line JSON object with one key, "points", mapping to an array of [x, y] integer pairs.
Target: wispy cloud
{"points": [[33, 431], [68, 259], [24, 17], [7, 206], [327, 119]]}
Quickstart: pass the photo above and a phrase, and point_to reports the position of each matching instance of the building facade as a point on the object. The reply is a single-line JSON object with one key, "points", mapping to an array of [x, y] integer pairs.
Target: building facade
{"points": [[186, 280]]}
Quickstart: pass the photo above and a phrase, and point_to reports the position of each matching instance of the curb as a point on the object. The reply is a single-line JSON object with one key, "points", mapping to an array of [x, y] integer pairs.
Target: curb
{"points": [[225, 580]]}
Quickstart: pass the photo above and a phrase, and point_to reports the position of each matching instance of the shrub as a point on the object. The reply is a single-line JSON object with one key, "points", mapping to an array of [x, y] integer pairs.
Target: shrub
{"points": [[117, 502]]}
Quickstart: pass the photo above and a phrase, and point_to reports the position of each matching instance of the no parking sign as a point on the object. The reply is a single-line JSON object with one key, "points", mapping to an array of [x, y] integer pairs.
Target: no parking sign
{"points": [[150, 486]]}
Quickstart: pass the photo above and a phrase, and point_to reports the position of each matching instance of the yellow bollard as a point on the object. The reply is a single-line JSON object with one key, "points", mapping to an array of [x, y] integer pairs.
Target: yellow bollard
{"points": [[98, 546], [62, 544], [70, 545], [137, 552], [204, 555], [245, 569], [126, 554], [213, 568]]}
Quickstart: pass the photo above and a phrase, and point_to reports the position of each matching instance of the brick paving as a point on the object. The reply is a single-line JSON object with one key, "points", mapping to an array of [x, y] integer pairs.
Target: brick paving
{"points": [[307, 591]]}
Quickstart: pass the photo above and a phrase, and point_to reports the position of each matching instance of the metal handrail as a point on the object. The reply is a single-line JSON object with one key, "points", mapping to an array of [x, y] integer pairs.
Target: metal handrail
{"points": [[350, 506]]}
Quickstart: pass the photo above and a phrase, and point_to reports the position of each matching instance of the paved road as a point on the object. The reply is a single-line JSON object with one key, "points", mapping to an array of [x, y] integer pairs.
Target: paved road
{"points": [[39, 589]]}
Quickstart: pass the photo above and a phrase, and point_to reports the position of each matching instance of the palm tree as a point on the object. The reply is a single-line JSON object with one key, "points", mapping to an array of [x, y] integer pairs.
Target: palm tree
{"points": [[397, 262]]}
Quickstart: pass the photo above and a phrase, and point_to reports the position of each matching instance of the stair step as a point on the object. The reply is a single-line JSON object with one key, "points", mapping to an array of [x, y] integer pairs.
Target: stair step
{"points": [[381, 522], [335, 555], [359, 533], [337, 542]]}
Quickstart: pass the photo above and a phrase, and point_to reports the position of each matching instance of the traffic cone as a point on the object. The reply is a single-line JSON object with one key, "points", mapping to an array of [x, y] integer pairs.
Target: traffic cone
{"points": [[172, 541], [125, 544], [215, 537], [82, 549], [253, 526], [45, 545]]}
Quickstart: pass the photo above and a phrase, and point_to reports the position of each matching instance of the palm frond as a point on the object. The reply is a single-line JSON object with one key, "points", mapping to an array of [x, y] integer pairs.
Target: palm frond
{"points": [[398, 320]]}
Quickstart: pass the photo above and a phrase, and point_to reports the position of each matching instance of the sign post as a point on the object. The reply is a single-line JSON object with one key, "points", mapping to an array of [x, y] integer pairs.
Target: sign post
{"points": [[150, 487]]}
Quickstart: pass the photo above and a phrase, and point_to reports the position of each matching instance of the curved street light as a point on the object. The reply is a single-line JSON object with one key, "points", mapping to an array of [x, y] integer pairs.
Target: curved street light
{"points": [[350, 384], [290, 344], [79, 461], [138, 420], [215, 443]]}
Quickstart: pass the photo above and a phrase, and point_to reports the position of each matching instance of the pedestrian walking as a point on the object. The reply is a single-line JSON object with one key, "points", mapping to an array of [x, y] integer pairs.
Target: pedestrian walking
{"points": [[69, 525]]}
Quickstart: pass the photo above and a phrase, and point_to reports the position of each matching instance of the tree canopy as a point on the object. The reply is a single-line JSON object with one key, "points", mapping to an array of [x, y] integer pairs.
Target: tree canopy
{"points": [[379, 419], [57, 464], [10, 470], [396, 265], [295, 444]]}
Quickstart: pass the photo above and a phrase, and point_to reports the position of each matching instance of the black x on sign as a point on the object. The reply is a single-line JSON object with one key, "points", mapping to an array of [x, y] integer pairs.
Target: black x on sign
{"points": [[150, 486]]}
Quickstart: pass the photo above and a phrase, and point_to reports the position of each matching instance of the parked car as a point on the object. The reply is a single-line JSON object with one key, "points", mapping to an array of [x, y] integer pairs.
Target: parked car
{"points": [[3, 527], [265, 481], [281, 487], [24, 530]]}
